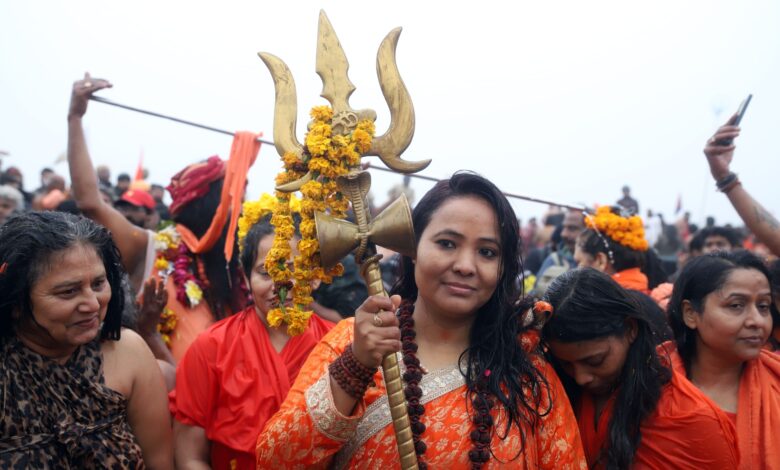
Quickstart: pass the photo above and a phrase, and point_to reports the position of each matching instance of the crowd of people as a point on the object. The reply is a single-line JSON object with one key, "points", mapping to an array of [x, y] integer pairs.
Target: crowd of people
{"points": [[135, 334]]}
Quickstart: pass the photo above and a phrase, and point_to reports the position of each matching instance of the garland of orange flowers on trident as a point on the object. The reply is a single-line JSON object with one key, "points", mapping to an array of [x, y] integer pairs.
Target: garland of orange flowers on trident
{"points": [[326, 156]]}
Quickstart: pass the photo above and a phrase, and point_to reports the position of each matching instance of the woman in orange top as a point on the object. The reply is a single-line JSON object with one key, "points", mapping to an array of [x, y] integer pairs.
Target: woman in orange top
{"points": [[237, 373], [475, 397], [720, 313], [632, 410]]}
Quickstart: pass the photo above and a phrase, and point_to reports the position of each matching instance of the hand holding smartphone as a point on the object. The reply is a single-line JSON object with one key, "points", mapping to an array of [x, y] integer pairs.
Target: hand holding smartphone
{"points": [[736, 119]]}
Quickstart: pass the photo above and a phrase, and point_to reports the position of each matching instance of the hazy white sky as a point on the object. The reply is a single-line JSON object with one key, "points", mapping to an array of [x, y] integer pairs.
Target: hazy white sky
{"points": [[565, 100]]}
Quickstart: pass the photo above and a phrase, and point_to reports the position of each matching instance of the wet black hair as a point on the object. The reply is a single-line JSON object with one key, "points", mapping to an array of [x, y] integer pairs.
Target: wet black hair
{"points": [[224, 276], [590, 305], [623, 257], [258, 231], [28, 244], [518, 386], [700, 277]]}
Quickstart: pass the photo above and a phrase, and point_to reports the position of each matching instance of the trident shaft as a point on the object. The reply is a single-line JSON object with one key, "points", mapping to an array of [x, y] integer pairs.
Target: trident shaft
{"points": [[393, 228]]}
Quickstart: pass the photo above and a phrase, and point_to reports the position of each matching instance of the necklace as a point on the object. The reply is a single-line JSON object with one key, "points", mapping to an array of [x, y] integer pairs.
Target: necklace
{"points": [[481, 400]]}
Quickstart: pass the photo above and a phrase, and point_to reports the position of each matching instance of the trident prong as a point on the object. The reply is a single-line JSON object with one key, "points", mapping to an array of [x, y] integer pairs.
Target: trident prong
{"points": [[332, 67], [286, 106], [389, 146]]}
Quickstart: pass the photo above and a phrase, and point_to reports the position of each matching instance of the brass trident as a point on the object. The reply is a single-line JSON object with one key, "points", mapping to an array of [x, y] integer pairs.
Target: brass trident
{"points": [[393, 227]]}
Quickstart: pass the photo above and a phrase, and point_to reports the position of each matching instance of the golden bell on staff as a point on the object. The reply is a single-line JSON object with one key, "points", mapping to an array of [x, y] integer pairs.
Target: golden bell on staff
{"points": [[322, 159]]}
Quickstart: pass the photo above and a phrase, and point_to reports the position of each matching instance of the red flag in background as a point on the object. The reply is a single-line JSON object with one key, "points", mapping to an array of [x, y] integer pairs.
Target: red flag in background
{"points": [[678, 207], [138, 181], [139, 172]]}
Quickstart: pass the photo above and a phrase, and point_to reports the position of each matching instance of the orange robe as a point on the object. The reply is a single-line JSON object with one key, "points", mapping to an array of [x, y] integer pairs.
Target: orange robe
{"points": [[686, 431], [190, 321], [758, 411], [231, 380], [632, 278], [308, 431]]}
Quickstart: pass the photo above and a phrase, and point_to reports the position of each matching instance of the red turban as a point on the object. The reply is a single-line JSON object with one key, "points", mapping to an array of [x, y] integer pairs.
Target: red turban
{"points": [[193, 182]]}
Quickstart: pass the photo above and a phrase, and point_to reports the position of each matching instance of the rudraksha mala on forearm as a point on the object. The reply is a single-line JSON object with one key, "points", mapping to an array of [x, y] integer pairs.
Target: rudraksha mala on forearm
{"points": [[482, 401], [352, 376]]}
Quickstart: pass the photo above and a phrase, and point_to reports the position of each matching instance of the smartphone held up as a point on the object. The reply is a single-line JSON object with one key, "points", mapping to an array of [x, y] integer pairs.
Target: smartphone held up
{"points": [[736, 119]]}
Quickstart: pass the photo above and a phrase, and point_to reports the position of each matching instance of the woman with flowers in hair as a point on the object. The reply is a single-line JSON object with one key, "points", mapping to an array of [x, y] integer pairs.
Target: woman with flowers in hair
{"points": [[196, 259], [615, 244], [476, 397], [236, 374], [633, 410]]}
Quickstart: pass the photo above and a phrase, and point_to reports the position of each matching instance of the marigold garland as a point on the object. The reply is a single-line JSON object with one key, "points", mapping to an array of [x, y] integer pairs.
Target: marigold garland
{"points": [[173, 259], [327, 157], [253, 211], [167, 325], [627, 231]]}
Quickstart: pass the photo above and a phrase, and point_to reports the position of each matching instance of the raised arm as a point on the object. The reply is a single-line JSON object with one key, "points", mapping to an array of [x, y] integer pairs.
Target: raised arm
{"points": [[758, 220], [130, 240]]}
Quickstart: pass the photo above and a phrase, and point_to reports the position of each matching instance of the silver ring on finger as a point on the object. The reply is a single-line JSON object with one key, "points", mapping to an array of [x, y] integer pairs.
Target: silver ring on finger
{"points": [[87, 84], [378, 321]]}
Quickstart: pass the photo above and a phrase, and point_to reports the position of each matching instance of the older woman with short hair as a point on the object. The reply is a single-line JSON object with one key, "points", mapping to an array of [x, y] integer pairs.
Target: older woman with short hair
{"points": [[76, 390]]}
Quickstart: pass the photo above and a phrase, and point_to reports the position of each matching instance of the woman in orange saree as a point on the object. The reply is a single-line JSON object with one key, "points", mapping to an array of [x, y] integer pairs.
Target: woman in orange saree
{"points": [[720, 313], [633, 410], [476, 398]]}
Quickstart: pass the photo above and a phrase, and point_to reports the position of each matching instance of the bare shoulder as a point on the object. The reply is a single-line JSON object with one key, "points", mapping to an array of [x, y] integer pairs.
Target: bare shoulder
{"points": [[129, 344], [124, 360]]}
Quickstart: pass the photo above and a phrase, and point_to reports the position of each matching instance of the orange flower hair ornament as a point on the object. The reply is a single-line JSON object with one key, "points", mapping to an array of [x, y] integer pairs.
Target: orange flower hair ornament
{"points": [[537, 315], [628, 231]]}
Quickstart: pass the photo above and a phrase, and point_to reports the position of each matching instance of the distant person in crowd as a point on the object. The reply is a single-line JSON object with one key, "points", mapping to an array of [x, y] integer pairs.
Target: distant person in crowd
{"points": [[721, 316], [774, 278], [718, 239], [710, 222], [632, 409], [719, 151], [76, 390], [628, 202], [528, 235], [122, 184], [11, 201], [54, 194], [158, 193], [654, 227], [138, 207], [239, 363], [104, 176], [46, 175], [615, 244], [684, 227], [562, 259], [13, 177]]}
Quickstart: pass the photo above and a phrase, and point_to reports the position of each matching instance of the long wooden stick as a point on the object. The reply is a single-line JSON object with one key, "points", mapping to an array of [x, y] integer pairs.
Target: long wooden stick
{"points": [[374, 167]]}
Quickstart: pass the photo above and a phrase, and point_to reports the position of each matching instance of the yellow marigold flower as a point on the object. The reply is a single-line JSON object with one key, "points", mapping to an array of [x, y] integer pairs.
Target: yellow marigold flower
{"points": [[319, 165], [321, 113], [194, 294], [308, 247], [308, 228], [274, 317], [161, 264], [362, 139], [290, 159], [311, 189]]}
